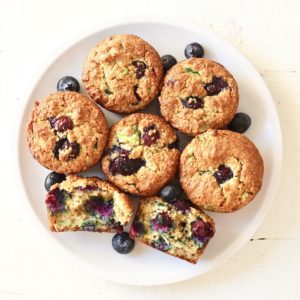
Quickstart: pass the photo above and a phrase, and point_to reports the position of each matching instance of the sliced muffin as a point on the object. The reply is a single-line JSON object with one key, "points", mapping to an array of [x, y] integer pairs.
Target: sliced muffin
{"points": [[176, 228], [87, 204]]}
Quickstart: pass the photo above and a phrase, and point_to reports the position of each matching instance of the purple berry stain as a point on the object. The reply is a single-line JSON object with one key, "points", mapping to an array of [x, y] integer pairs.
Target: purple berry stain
{"points": [[201, 231], [182, 205], [160, 244], [96, 206], [162, 222], [55, 200], [223, 174], [137, 229], [150, 135]]}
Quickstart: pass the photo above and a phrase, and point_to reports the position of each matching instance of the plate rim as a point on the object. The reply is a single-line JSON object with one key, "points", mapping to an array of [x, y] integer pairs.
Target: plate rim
{"points": [[76, 39]]}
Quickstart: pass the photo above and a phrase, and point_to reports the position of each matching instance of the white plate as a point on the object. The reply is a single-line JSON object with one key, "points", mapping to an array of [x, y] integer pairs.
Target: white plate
{"points": [[146, 266]]}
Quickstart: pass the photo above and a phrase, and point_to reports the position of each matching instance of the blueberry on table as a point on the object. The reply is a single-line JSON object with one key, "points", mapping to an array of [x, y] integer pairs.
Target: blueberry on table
{"points": [[193, 50], [168, 62], [68, 83], [122, 243], [53, 178], [240, 123], [171, 192]]}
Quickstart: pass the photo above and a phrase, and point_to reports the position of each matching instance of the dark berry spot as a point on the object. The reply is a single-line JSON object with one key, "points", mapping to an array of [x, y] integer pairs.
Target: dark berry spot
{"points": [[55, 200], [182, 205], [137, 96], [64, 144], [122, 243], [223, 174], [150, 135], [216, 86], [96, 206], [140, 68], [120, 150], [201, 231], [168, 62], [193, 50], [137, 229], [125, 166], [162, 222], [108, 92], [174, 145], [61, 124], [192, 102], [96, 144], [53, 178], [240, 123], [161, 244], [171, 192], [68, 83], [115, 225]]}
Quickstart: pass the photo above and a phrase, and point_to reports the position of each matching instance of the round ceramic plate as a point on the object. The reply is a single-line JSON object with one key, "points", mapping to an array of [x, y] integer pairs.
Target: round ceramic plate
{"points": [[146, 266]]}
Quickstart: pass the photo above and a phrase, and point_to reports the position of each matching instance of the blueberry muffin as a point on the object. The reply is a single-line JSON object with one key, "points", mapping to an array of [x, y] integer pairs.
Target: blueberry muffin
{"points": [[67, 132], [141, 156], [87, 204], [198, 94], [221, 170], [123, 73], [176, 228]]}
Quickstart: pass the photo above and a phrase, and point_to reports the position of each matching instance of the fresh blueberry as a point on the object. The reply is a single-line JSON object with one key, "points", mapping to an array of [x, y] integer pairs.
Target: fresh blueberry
{"points": [[171, 192], [240, 123], [223, 174], [125, 166], [53, 178], [193, 50], [168, 62], [192, 102], [150, 135], [140, 67], [68, 83], [216, 86], [122, 243]]}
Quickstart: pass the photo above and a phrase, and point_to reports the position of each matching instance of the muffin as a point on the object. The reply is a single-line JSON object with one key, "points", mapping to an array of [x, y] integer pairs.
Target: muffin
{"points": [[176, 228], [123, 73], [87, 204], [67, 132], [198, 94], [140, 156], [221, 170]]}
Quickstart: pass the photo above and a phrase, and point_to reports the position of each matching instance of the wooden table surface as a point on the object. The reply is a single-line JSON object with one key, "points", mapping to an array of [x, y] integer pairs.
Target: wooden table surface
{"points": [[268, 33]]}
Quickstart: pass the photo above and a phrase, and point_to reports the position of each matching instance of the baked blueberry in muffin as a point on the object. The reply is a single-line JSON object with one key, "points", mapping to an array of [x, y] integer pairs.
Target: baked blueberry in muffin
{"points": [[140, 158], [123, 73], [67, 132], [87, 204], [177, 228], [198, 94]]}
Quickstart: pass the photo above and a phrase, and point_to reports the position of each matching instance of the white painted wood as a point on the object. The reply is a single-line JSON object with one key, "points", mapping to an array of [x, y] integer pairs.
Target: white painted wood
{"points": [[267, 32]]}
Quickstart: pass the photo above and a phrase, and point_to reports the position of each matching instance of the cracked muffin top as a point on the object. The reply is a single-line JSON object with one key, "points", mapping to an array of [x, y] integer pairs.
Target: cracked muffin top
{"points": [[141, 156], [198, 94], [123, 73], [67, 132], [221, 170]]}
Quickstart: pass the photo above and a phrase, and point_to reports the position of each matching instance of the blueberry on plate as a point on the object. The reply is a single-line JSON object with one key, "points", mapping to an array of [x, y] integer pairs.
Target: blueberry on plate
{"points": [[240, 123], [53, 178], [193, 50], [168, 62], [171, 192], [122, 243], [68, 83]]}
